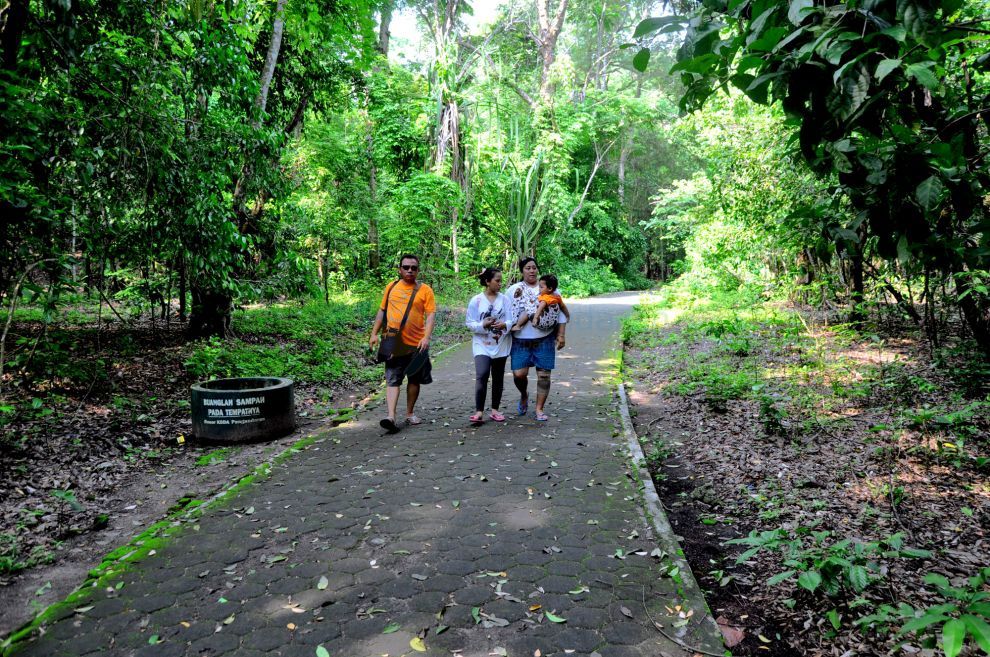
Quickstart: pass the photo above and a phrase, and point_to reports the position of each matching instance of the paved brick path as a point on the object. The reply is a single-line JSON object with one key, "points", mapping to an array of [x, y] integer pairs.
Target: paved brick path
{"points": [[363, 542]]}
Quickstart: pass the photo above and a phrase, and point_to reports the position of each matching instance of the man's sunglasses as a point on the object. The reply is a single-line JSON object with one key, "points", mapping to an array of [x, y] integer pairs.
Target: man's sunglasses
{"points": [[409, 267]]}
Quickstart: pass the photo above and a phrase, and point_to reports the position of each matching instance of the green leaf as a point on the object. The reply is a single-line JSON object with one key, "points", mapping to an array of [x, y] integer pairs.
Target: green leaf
{"points": [[921, 623], [153, 640], [834, 618], [940, 581], [798, 10], [896, 32], [417, 644], [903, 250], [929, 192], [859, 578], [323, 583], [953, 634], [554, 619], [780, 577], [886, 67], [915, 17], [979, 629], [641, 60], [322, 652], [391, 627], [916, 553], [922, 72], [810, 580], [648, 25], [476, 614]]}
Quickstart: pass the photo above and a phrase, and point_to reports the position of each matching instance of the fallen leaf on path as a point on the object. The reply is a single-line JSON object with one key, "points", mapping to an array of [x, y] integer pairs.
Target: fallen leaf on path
{"points": [[417, 644]]}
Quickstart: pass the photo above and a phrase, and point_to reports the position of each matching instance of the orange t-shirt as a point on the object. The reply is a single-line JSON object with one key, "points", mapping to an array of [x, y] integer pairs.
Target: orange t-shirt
{"points": [[424, 304], [550, 299]]}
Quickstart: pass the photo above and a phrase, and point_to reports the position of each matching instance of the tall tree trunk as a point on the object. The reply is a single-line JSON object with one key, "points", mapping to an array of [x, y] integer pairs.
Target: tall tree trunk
{"points": [[211, 307], [271, 58], [13, 19], [623, 159], [182, 290], [374, 254], [550, 27], [267, 73], [383, 29], [211, 311], [976, 309], [856, 314]]}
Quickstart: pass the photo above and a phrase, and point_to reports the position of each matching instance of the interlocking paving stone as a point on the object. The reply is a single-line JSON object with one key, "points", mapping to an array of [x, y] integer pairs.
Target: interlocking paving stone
{"points": [[521, 489]]}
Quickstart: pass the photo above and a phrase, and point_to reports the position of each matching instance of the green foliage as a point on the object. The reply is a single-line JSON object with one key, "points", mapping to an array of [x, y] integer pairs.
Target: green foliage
{"points": [[961, 618], [886, 106], [657, 453], [216, 359], [584, 278], [213, 457], [13, 560], [822, 564]]}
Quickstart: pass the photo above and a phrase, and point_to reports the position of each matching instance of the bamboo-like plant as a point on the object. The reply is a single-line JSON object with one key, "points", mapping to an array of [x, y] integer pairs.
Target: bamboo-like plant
{"points": [[523, 207]]}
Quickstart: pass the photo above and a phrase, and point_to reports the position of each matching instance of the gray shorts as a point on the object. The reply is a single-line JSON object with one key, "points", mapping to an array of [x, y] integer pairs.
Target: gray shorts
{"points": [[415, 367]]}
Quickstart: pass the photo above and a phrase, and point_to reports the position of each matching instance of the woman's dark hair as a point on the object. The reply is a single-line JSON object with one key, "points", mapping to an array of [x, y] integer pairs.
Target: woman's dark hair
{"points": [[525, 261], [550, 280], [487, 274]]}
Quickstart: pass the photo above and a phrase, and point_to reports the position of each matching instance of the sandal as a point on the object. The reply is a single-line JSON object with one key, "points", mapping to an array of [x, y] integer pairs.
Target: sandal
{"points": [[522, 408], [541, 416], [496, 416], [388, 424], [413, 420], [477, 419]]}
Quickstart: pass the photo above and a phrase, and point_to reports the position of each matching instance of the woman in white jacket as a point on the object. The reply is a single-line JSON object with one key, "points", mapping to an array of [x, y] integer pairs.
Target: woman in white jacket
{"points": [[487, 317]]}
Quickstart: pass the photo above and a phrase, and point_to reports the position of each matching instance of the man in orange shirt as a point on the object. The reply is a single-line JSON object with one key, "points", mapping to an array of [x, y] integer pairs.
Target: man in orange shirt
{"points": [[416, 366]]}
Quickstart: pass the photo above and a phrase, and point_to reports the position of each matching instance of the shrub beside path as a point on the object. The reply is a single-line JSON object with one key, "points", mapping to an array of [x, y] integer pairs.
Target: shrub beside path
{"points": [[522, 539]]}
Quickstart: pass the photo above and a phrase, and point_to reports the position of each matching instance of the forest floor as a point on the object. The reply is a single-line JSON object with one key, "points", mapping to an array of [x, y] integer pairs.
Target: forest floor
{"points": [[830, 486], [95, 440]]}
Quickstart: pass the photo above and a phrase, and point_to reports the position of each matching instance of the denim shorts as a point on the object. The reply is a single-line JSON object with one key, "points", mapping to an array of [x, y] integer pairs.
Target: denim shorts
{"points": [[396, 370], [541, 353]]}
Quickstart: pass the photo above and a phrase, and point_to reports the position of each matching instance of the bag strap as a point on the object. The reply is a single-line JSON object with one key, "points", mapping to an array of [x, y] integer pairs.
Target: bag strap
{"points": [[388, 293], [412, 297]]}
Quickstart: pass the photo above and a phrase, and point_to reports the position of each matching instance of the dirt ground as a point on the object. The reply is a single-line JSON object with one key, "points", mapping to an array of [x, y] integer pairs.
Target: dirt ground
{"points": [[721, 475]]}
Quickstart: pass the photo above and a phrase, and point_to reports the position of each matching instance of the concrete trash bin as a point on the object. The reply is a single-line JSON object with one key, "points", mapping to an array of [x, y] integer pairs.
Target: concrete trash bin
{"points": [[243, 409]]}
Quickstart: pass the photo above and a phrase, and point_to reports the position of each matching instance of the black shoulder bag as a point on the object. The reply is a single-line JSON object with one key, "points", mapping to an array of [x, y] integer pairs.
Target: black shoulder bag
{"points": [[391, 345]]}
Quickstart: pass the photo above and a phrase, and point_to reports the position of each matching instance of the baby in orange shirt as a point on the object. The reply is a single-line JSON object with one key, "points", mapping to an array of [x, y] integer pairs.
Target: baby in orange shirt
{"points": [[551, 304]]}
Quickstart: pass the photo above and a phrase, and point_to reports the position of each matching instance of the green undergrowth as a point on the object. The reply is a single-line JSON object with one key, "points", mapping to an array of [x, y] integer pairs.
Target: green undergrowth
{"points": [[808, 383], [802, 376], [186, 510], [315, 342]]}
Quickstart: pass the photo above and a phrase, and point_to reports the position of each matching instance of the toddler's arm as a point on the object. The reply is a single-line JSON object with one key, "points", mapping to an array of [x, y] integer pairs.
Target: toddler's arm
{"points": [[563, 308]]}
